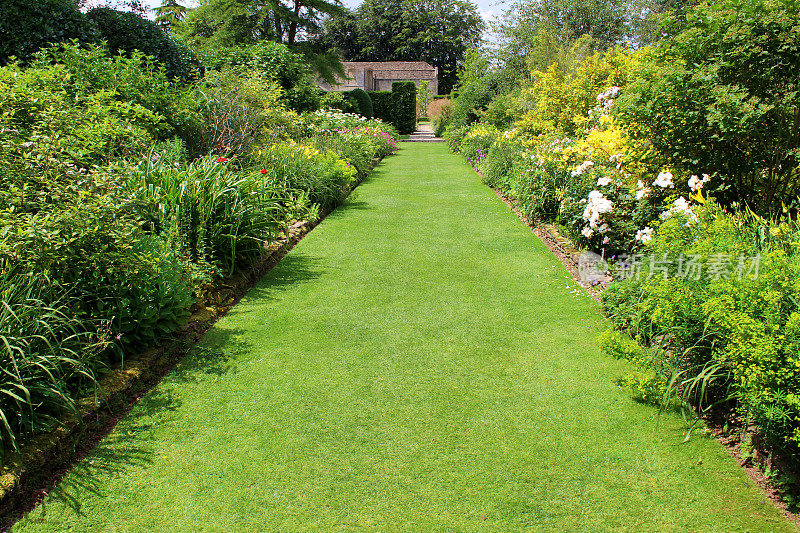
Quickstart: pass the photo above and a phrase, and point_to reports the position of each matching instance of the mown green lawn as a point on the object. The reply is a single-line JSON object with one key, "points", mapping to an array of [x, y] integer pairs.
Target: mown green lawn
{"points": [[419, 362]]}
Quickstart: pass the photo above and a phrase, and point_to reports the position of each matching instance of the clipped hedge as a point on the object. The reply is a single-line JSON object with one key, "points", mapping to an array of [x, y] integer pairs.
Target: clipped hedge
{"points": [[383, 104], [405, 111], [363, 101]]}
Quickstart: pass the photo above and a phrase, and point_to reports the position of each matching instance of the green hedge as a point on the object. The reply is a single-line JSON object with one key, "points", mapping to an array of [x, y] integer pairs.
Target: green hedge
{"points": [[405, 111], [363, 102], [383, 104]]}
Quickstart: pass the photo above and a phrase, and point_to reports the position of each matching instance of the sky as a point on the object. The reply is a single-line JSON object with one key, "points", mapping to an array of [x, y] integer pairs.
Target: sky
{"points": [[487, 8]]}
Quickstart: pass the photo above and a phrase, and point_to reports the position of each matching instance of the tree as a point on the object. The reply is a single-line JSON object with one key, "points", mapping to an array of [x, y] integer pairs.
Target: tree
{"points": [[169, 13], [27, 26], [436, 31], [242, 22]]}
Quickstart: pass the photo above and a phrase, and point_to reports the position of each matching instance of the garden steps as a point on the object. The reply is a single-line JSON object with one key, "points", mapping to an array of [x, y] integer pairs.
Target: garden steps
{"points": [[424, 134]]}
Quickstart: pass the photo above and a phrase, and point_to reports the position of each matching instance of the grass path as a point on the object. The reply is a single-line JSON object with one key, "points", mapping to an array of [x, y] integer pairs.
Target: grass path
{"points": [[419, 362]]}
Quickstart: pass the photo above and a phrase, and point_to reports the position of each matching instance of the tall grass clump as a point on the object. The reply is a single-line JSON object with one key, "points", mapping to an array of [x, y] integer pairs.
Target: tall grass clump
{"points": [[45, 354], [217, 217]]}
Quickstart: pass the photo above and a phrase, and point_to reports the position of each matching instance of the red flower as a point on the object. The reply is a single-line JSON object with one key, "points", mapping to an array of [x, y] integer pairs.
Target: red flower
{"points": [[221, 159], [264, 171]]}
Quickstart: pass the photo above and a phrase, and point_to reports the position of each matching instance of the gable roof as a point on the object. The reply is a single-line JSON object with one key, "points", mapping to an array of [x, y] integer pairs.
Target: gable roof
{"points": [[390, 66]]}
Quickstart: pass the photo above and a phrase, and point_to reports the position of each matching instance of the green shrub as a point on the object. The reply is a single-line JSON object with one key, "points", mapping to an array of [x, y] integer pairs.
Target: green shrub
{"points": [[383, 105], [405, 112], [55, 126], [125, 32], [718, 91], [135, 79], [27, 26], [364, 102], [275, 60], [730, 338], [322, 175]]}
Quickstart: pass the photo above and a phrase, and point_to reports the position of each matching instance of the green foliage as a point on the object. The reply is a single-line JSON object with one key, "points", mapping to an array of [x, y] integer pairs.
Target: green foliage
{"points": [[125, 32], [207, 211], [273, 60], [224, 23], [27, 26], [405, 112], [476, 89], [364, 102], [136, 79], [436, 31], [169, 14], [321, 175], [383, 105], [720, 96], [44, 352], [730, 339]]}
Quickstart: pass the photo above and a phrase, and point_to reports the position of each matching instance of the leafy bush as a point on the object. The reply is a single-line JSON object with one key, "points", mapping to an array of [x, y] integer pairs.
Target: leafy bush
{"points": [[135, 79], [125, 32], [322, 175], [52, 125], [361, 147], [405, 112], [26, 27], [729, 327], [276, 61], [720, 96], [364, 102]]}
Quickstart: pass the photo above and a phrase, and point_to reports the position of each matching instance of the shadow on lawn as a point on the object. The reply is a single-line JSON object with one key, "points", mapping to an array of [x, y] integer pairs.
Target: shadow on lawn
{"points": [[292, 270], [126, 446]]}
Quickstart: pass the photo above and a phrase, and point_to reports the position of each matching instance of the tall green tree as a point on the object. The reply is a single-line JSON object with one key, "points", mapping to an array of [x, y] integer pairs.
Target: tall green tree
{"points": [[437, 31], [242, 22], [169, 13]]}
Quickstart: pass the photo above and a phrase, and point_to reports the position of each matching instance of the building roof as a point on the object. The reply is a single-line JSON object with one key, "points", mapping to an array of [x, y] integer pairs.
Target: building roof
{"points": [[391, 66]]}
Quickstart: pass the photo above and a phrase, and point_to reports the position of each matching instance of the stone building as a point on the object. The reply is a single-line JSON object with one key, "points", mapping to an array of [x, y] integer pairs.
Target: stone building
{"points": [[379, 75]]}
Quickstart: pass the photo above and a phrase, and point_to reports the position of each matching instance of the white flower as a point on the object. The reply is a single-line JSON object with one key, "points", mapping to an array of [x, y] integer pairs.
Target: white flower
{"points": [[604, 228], [681, 206], [616, 158], [586, 165], [641, 190], [696, 183], [606, 240], [603, 181], [587, 232], [664, 180], [644, 235], [596, 205]]}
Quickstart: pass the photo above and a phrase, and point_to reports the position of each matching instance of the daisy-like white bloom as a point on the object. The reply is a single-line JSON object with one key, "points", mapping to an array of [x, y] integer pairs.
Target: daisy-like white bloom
{"points": [[664, 180], [644, 235], [587, 232], [641, 190], [603, 181]]}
